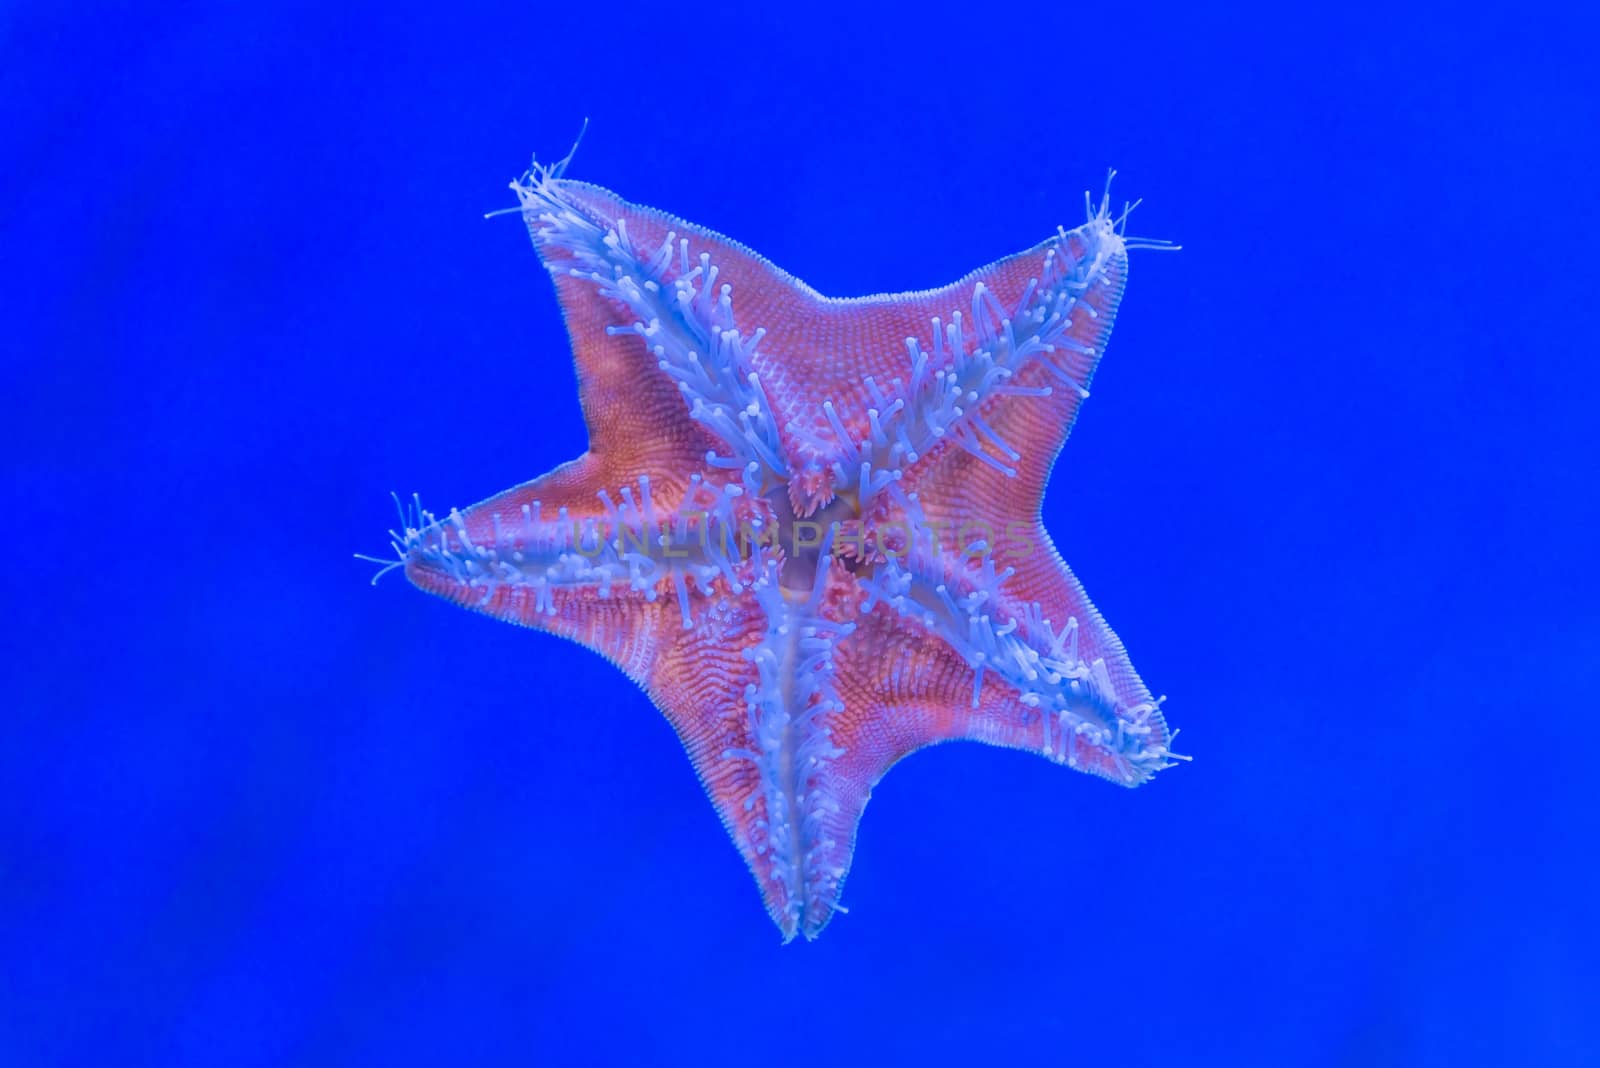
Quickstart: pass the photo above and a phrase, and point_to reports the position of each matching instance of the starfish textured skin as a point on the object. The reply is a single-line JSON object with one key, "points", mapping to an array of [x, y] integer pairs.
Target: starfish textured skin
{"points": [[809, 528]]}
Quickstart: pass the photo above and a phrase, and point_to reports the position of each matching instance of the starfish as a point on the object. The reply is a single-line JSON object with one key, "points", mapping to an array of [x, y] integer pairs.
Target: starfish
{"points": [[809, 528]]}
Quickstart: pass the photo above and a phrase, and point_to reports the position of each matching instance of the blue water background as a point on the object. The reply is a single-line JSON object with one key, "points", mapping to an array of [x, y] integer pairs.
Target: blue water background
{"points": [[1336, 489]]}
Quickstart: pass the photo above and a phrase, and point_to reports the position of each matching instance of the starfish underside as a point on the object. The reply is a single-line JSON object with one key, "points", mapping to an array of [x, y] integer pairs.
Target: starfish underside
{"points": [[808, 527]]}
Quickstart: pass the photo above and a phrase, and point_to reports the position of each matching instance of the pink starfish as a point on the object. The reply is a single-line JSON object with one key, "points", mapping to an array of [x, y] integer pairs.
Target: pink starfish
{"points": [[809, 527]]}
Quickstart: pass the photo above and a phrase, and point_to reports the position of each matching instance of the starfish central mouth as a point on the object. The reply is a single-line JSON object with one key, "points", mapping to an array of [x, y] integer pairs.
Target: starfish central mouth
{"points": [[805, 539]]}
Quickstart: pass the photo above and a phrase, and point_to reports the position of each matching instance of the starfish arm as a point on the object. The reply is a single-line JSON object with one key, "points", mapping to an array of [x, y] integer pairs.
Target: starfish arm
{"points": [[719, 685], [899, 684], [990, 548], [993, 371], [649, 299], [791, 703], [569, 552], [1012, 389], [1026, 631], [752, 693], [927, 698]]}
